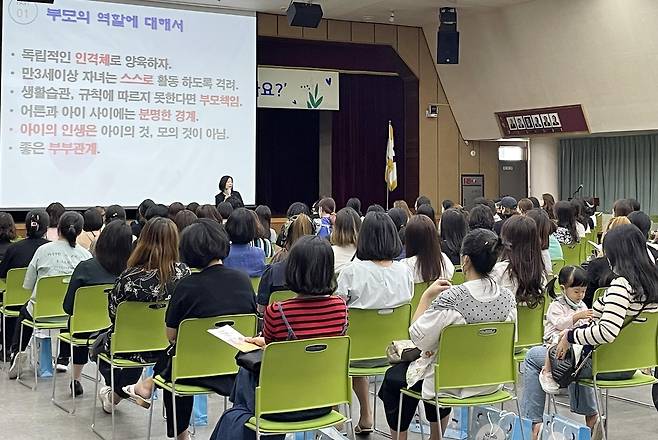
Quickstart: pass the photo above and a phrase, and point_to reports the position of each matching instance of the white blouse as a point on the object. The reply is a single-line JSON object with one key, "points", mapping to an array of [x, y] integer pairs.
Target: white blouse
{"points": [[418, 277], [366, 285]]}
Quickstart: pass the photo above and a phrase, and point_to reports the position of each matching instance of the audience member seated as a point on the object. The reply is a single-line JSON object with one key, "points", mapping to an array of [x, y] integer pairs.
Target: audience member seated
{"points": [[545, 228], [622, 207], [152, 274], [453, 228], [427, 210], [549, 205], [265, 218], [235, 202], [481, 217], [420, 201], [241, 229], [174, 209], [521, 268], [479, 299], [326, 213], [399, 218], [274, 277], [113, 248], [225, 210], [210, 212], [92, 227], [344, 237], [184, 219], [423, 249], [203, 245], [55, 210], [114, 212], [643, 223], [297, 208], [524, 206], [157, 210], [583, 222], [355, 204], [375, 208], [447, 204], [375, 281], [535, 202], [138, 224], [192, 206], [56, 258], [314, 313], [567, 230], [7, 232], [634, 289], [262, 239], [508, 207], [226, 190], [403, 206]]}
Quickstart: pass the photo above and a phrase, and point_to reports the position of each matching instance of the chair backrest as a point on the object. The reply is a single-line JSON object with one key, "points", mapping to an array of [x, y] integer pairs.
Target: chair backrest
{"points": [[16, 295], [371, 331], [281, 295], [255, 281], [200, 354], [598, 227], [598, 293], [304, 374], [90, 310], [571, 254], [458, 276], [50, 293], [489, 345], [138, 327], [634, 348], [530, 325], [419, 289], [556, 266]]}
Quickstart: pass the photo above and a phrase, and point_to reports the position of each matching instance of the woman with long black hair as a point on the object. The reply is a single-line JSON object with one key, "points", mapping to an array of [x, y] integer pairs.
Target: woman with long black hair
{"points": [[454, 227]]}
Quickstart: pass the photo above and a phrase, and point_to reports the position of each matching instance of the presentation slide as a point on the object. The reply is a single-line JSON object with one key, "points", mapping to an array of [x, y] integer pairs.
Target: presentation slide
{"points": [[111, 103]]}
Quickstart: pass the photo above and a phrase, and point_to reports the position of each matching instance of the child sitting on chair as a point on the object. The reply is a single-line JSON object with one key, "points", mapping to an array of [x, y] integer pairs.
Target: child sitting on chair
{"points": [[567, 311]]}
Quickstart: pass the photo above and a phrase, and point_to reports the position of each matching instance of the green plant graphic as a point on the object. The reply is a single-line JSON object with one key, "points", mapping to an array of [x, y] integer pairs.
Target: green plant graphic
{"points": [[314, 100]]}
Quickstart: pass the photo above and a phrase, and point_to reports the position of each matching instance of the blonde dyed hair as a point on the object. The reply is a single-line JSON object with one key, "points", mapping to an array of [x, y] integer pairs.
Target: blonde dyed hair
{"points": [[157, 248]]}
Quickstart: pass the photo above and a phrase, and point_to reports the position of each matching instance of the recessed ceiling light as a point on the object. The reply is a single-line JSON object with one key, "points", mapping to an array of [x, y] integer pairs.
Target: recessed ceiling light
{"points": [[368, 18]]}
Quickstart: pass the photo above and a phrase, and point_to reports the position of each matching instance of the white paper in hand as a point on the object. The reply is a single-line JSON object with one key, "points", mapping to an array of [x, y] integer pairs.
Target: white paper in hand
{"points": [[233, 337]]}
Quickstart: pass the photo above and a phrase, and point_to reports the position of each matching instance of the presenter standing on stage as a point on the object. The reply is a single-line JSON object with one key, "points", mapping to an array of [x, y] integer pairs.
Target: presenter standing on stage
{"points": [[226, 190]]}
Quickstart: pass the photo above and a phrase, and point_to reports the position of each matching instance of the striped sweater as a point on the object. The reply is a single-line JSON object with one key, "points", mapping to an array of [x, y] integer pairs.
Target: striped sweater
{"points": [[610, 311]]}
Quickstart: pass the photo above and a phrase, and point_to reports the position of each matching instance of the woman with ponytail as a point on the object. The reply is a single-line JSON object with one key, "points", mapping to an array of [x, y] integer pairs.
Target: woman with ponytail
{"points": [[55, 258]]}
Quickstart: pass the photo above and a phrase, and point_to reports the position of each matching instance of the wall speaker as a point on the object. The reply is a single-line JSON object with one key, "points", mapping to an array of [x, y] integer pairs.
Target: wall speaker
{"points": [[304, 15], [447, 51], [448, 16]]}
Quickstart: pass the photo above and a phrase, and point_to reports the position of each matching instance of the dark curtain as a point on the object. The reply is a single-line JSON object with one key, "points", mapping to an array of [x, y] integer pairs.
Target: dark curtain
{"points": [[611, 168], [359, 137], [287, 154]]}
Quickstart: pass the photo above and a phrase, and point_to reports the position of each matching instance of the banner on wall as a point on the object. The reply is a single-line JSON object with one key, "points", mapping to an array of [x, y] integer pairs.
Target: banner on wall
{"points": [[297, 89], [562, 119]]}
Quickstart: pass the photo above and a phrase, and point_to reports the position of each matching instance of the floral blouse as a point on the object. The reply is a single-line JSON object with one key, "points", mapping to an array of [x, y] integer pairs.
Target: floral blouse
{"points": [[137, 284]]}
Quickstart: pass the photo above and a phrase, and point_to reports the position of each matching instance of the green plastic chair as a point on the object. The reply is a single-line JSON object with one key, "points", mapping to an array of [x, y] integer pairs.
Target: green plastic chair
{"points": [[572, 254], [289, 382], [419, 289], [458, 276], [371, 332], [200, 354], [90, 315], [281, 295], [635, 348], [557, 265], [599, 293], [47, 314], [15, 297], [255, 281], [490, 344], [138, 327], [530, 329]]}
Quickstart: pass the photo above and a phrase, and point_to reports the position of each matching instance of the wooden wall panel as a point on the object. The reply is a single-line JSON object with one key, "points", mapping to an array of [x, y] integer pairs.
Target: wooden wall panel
{"points": [[319, 33], [448, 168], [363, 32], [468, 164], [408, 38], [288, 31], [429, 153], [267, 25], [339, 30], [386, 34]]}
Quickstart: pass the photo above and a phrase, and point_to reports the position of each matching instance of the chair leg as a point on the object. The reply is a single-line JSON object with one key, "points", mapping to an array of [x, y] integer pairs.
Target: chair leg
{"points": [[400, 413], [599, 408], [438, 418], [607, 420], [518, 408], [350, 421], [112, 395], [173, 403], [93, 413], [148, 434], [4, 340], [420, 421]]}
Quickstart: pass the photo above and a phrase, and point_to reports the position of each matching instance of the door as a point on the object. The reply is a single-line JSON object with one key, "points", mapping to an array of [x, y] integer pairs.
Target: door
{"points": [[513, 178]]}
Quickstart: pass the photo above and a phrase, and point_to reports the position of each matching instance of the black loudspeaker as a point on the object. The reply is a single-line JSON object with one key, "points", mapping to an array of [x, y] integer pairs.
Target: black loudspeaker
{"points": [[304, 15], [448, 16], [447, 51]]}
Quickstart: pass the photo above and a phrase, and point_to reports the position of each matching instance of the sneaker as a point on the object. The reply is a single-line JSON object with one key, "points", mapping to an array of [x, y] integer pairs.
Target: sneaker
{"points": [[597, 431], [20, 359], [548, 384], [76, 388], [105, 396], [62, 365]]}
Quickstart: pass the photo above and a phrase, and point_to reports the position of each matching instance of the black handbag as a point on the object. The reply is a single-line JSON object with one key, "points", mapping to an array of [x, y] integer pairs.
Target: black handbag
{"points": [[565, 370]]}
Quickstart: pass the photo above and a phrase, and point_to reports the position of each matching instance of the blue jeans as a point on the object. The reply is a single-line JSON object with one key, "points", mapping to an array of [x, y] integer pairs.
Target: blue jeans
{"points": [[533, 399]]}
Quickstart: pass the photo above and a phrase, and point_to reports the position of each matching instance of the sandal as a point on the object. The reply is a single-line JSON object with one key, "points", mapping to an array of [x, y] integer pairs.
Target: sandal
{"points": [[359, 430], [139, 400]]}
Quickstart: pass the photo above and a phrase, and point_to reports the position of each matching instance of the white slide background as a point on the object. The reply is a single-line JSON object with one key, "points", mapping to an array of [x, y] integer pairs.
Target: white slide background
{"points": [[158, 105]]}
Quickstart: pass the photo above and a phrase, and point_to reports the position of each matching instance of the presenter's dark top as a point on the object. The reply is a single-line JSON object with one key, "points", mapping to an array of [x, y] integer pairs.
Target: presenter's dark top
{"points": [[219, 198]]}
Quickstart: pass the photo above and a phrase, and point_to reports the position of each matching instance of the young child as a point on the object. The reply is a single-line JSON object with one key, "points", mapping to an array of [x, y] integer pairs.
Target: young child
{"points": [[566, 312]]}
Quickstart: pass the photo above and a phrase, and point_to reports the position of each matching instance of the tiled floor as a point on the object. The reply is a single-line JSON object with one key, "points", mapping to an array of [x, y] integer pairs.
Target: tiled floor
{"points": [[25, 414]]}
